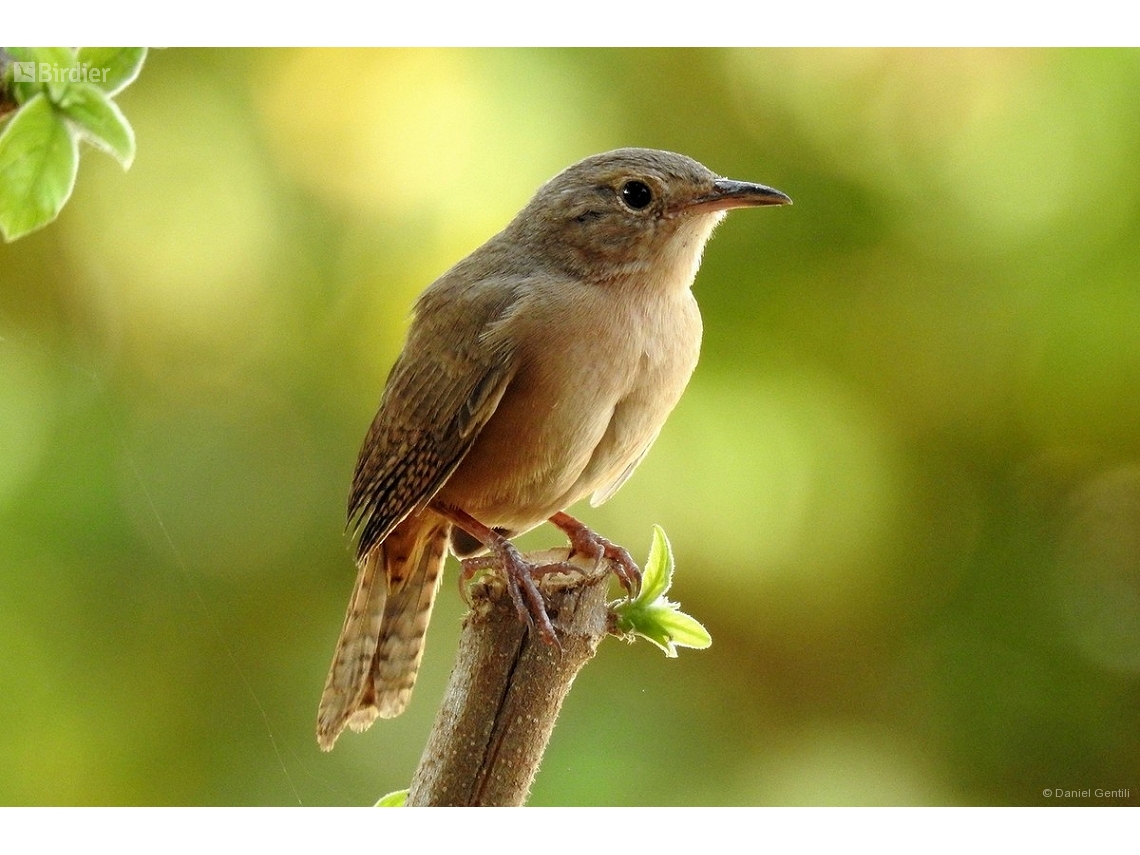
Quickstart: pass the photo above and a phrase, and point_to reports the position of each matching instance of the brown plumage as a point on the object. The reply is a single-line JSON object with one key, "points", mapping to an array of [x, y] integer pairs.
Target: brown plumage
{"points": [[537, 371]]}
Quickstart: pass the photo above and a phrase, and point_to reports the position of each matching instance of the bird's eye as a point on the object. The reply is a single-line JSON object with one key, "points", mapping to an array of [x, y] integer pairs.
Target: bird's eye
{"points": [[636, 194]]}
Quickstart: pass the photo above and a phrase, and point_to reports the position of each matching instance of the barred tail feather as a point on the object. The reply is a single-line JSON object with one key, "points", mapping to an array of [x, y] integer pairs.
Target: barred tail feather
{"points": [[381, 644]]}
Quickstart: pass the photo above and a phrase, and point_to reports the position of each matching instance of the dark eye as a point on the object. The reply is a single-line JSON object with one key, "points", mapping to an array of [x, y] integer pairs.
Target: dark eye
{"points": [[636, 194]]}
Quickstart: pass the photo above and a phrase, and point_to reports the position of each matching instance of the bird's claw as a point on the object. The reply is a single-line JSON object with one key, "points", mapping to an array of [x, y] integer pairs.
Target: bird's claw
{"points": [[585, 541], [520, 575]]}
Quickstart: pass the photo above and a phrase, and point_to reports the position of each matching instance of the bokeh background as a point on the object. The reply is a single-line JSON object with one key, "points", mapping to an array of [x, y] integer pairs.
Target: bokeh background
{"points": [[903, 487]]}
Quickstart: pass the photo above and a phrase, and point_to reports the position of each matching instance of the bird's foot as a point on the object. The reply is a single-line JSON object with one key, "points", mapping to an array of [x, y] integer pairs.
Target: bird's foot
{"points": [[585, 541], [519, 575], [517, 571]]}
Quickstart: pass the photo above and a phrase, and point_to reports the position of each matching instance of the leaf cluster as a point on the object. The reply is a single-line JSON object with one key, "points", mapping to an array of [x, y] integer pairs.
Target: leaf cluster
{"points": [[651, 614], [60, 96]]}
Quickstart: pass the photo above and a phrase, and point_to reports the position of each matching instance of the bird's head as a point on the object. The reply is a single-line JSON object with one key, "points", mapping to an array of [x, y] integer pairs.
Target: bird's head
{"points": [[630, 212]]}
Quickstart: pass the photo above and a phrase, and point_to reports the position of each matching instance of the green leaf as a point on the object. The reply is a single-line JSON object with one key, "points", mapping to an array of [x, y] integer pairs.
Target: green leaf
{"points": [[683, 630], [63, 57], [53, 68], [658, 573], [100, 121], [663, 625], [651, 615], [397, 799], [38, 160], [119, 66], [47, 69], [645, 624]]}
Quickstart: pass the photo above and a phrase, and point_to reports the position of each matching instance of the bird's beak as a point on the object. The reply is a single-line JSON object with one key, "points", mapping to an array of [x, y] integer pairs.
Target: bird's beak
{"points": [[726, 194]]}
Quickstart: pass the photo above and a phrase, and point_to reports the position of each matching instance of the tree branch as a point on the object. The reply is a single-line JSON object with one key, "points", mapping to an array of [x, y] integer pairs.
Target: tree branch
{"points": [[507, 687]]}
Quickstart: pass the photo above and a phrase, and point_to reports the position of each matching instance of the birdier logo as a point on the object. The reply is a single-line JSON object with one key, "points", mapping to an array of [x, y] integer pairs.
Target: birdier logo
{"points": [[50, 72]]}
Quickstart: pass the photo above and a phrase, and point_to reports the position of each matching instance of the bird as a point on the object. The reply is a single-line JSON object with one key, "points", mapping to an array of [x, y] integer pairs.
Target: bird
{"points": [[537, 371]]}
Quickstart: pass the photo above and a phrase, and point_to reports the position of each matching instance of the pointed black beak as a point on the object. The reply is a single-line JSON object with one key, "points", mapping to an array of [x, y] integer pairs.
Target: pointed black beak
{"points": [[727, 194]]}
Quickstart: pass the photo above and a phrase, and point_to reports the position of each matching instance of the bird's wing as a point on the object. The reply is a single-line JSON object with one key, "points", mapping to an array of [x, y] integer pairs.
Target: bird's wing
{"points": [[442, 390]]}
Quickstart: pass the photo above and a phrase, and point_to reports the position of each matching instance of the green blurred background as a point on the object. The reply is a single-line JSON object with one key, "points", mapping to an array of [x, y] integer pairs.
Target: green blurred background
{"points": [[903, 487]]}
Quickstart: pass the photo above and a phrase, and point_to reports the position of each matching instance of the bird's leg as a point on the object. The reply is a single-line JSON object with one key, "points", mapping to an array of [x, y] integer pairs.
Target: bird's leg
{"points": [[585, 541], [518, 572]]}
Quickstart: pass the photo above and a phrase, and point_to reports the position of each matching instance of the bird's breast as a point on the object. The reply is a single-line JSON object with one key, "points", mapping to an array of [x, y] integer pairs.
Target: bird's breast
{"points": [[595, 379]]}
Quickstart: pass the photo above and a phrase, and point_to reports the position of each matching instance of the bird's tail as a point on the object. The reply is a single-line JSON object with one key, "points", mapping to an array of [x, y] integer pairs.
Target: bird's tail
{"points": [[381, 643]]}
